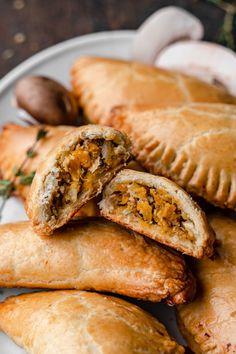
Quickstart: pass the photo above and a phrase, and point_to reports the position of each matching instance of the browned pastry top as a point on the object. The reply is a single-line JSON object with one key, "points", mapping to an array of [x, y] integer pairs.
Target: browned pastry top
{"points": [[93, 254], [72, 322], [102, 84], [209, 323], [194, 145]]}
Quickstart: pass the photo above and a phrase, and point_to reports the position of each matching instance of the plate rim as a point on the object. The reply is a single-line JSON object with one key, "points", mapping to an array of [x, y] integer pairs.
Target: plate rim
{"points": [[58, 48]]}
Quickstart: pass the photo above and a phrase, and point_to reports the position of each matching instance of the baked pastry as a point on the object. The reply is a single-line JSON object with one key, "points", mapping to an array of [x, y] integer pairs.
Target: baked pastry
{"points": [[209, 323], [160, 209], [194, 145], [74, 172], [102, 84], [93, 254], [72, 322], [15, 140]]}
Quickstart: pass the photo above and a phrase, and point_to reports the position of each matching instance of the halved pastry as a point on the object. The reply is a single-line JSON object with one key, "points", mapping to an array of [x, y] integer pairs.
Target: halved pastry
{"points": [[209, 323], [102, 84], [93, 254], [74, 172], [16, 140], [160, 209], [194, 145], [72, 322]]}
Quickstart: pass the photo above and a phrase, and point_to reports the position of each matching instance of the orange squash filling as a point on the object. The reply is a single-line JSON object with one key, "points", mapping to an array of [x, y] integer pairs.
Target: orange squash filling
{"points": [[151, 206], [81, 168]]}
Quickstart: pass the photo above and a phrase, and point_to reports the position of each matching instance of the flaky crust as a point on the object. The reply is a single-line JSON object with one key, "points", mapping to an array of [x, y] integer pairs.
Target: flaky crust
{"points": [[101, 84], [209, 323], [203, 234], [93, 254], [15, 140], [72, 322], [194, 145], [38, 207]]}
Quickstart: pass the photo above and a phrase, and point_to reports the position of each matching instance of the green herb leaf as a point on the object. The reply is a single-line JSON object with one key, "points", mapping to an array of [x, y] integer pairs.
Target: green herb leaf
{"points": [[17, 172], [31, 153], [6, 187], [42, 132], [27, 179]]}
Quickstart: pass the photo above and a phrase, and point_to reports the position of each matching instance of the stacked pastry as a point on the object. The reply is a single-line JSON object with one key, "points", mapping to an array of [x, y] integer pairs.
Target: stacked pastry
{"points": [[187, 148], [184, 130]]}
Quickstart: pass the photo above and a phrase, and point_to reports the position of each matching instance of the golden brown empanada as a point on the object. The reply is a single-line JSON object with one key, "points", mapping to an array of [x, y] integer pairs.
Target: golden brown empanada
{"points": [[102, 84], [93, 254], [74, 172], [72, 322], [194, 145], [15, 140], [209, 323], [160, 209]]}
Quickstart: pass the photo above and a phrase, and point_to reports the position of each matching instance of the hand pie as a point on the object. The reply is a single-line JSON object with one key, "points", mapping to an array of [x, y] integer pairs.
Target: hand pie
{"points": [[74, 172], [102, 84], [194, 145], [160, 209], [93, 254], [209, 323], [15, 140], [72, 322]]}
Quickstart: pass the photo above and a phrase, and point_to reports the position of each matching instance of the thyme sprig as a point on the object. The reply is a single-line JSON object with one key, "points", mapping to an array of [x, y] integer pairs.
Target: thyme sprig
{"points": [[227, 30], [7, 187]]}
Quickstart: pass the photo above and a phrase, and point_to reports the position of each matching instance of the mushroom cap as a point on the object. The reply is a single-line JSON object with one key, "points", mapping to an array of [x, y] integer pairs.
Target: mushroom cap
{"points": [[46, 100], [207, 61], [163, 27]]}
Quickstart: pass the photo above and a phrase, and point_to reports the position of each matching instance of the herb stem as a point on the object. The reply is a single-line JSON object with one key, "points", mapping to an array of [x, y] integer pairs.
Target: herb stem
{"points": [[8, 186], [226, 35]]}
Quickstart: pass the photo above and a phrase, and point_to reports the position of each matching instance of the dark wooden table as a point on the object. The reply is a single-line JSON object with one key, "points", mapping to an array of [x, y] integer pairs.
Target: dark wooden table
{"points": [[28, 26]]}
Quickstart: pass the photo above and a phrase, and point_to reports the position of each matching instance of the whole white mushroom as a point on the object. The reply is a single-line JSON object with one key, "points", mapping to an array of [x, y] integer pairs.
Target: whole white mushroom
{"points": [[163, 27]]}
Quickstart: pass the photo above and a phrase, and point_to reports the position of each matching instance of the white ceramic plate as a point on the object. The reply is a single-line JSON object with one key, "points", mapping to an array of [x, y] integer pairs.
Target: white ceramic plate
{"points": [[56, 63]]}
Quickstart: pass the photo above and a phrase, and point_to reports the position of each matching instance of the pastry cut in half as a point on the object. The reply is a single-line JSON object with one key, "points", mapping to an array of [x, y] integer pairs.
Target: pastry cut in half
{"points": [[160, 209], [72, 322], [16, 140], [209, 323], [194, 145], [93, 254], [15, 143], [74, 172], [102, 84]]}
